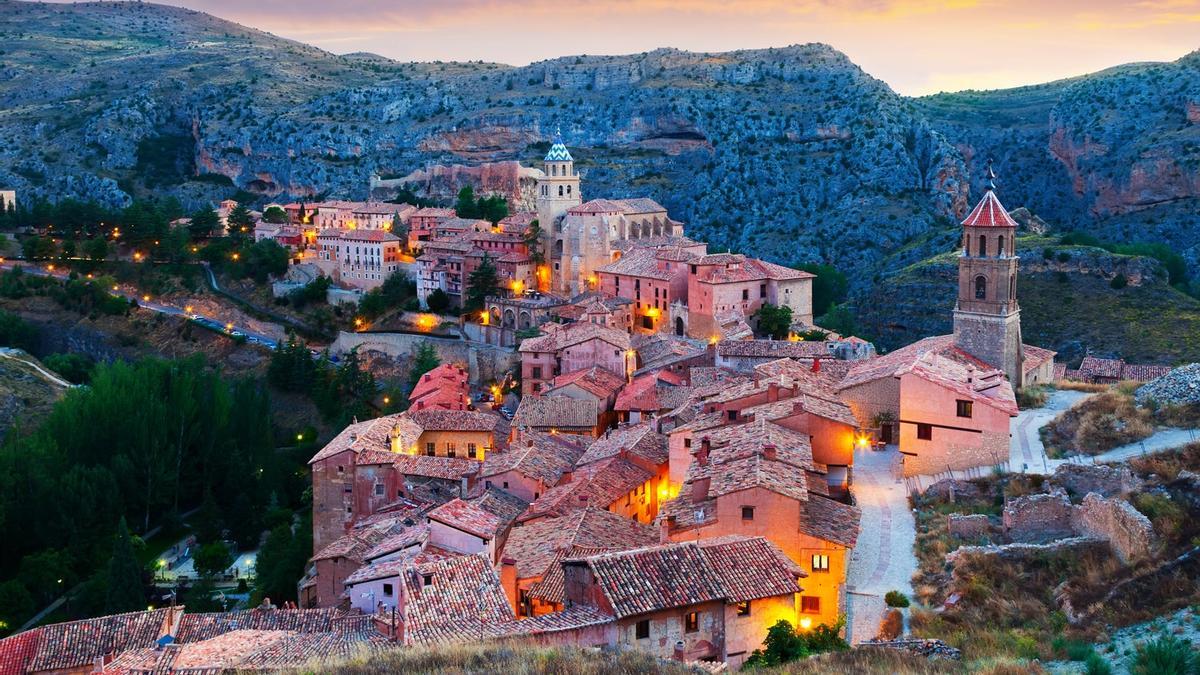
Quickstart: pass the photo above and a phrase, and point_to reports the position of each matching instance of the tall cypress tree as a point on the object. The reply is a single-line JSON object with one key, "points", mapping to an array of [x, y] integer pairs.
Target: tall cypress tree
{"points": [[125, 593], [481, 283]]}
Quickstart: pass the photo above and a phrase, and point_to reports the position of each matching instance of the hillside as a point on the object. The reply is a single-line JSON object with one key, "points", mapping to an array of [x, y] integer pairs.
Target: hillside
{"points": [[28, 391], [1068, 304], [753, 149]]}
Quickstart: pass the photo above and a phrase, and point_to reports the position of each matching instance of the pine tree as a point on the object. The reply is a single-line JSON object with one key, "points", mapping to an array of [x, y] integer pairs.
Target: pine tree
{"points": [[481, 283], [425, 359], [125, 592], [466, 206], [240, 221], [533, 242]]}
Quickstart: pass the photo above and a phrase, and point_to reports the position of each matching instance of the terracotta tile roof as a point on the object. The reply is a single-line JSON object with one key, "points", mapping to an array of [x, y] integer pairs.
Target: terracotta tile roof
{"points": [[464, 598], [373, 236], [302, 649], [468, 517], [641, 205], [830, 520], [822, 382], [379, 570], [641, 263], [571, 618], [445, 468], [640, 440], [596, 206], [464, 224], [537, 456], [1092, 366], [563, 412], [737, 268], [890, 365], [1143, 373], [773, 349], [78, 643], [668, 241], [434, 212], [503, 505], [651, 579], [1034, 356], [535, 545], [573, 334], [596, 484], [830, 409], [695, 503], [596, 380], [225, 650], [750, 567], [1060, 371], [204, 626], [445, 375], [659, 390], [552, 586], [16, 651], [356, 543], [355, 437], [660, 350], [410, 536], [704, 376], [989, 212], [458, 420]]}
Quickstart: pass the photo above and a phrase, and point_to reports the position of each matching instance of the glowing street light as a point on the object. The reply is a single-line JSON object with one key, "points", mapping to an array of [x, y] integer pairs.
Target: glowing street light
{"points": [[187, 308], [145, 298], [805, 623], [137, 257], [229, 327], [235, 256]]}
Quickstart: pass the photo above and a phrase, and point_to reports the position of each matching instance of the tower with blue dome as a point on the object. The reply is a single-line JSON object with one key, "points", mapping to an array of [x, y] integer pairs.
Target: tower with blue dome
{"points": [[558, 188]]}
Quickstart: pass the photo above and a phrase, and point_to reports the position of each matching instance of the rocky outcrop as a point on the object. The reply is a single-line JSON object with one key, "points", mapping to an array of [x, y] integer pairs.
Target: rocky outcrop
{"points": [[1178, 387], [516, 183]]}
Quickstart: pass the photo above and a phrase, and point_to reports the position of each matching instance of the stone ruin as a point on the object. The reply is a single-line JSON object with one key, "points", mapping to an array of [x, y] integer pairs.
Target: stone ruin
{"points": [[933, 649], [1106, 481], [969, 526], [1039, 518]]}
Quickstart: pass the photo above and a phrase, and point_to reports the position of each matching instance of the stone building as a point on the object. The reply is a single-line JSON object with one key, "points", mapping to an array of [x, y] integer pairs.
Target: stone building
{"points": [[358, 258], [724, 282], [573, 347]]}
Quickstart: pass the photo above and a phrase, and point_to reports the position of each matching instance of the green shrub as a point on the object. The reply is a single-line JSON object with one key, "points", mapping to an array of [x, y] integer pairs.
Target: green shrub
{"points": [[1095, 664], [896, 599], [1118, 282], [784, 643], [1168, 655]]}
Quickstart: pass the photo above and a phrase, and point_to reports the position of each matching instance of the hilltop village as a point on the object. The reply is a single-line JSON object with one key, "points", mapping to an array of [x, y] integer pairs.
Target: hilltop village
{"points": [[676, 460], [668, 481]]}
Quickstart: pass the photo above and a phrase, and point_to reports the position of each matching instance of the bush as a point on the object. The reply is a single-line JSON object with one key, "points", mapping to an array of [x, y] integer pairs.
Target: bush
{"points": [[1095, 664], [1168, 655], [784, 643], [1118, 282], [75, 368], [896, 599]]}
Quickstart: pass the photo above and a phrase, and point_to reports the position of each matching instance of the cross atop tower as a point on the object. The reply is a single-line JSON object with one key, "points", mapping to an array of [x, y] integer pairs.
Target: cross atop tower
{"points": [[991, 176]]}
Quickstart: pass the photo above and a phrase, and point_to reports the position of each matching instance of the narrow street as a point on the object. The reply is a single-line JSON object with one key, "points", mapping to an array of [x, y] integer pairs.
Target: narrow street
{"points": [[883, 560]]}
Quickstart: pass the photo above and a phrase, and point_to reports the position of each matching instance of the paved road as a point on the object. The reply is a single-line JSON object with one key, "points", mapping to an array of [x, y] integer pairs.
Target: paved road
{"points": [[883, 558], [217, 323], [15, 355]]}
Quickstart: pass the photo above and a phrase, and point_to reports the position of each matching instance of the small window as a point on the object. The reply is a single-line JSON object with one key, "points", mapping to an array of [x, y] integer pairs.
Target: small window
{"points": [[732, 415], [379, 489], [427, 579], [537, 372], [687, 442], [387, 590], [820, 563], [472, 451], [745, 293], [642, 629], [451, 450], [341, 469], [964, 408], [925, 432], [810, 604], [762, 290], [429, 449], [505, 485], [691, 622], [743, 608], [747, 513]]}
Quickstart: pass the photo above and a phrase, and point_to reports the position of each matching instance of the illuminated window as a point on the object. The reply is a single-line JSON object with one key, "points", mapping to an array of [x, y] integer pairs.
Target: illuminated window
{"points": [[743, 608], [820, 563], [691, 622], [810, 604]]}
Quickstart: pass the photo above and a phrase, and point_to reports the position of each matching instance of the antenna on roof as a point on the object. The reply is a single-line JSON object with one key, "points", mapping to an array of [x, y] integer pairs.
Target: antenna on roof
{"points": [[991, 176]]}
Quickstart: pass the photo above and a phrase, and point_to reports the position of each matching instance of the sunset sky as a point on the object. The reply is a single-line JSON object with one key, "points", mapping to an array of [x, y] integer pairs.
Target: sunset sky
{"points": [[917, 46]]}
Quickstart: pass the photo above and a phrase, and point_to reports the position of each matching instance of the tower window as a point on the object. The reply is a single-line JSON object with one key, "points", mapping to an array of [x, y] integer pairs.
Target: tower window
{"points": [[560, 190], [1000, 246], [983, 246], [568, 190], [980, 287]]}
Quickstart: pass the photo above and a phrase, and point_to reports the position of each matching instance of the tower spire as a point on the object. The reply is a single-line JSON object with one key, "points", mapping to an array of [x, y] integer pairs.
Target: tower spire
{"points": [[991, 176]]}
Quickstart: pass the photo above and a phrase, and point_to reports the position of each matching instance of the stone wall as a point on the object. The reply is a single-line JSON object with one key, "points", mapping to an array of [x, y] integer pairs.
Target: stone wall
{"points": [[1106, 481], [969, 526], [1039, 518], [1127, 530], [1020, 551], [485, 363]]}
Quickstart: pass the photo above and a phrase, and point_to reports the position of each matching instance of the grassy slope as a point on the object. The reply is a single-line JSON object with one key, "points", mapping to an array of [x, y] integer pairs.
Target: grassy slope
{"points": [[26, 396]]}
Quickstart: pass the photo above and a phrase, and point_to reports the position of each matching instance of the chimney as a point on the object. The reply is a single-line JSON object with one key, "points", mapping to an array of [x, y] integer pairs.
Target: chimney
{"points": [[426, 377], [700, 489], [772, 392], [465, 485], [769, 452], [816, 368], [508, 581], [702, 453], [664, 529]]}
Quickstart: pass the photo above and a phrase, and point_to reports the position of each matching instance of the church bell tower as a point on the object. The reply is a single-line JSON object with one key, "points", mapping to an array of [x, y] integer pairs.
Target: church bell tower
{"points": [[987, 319]]}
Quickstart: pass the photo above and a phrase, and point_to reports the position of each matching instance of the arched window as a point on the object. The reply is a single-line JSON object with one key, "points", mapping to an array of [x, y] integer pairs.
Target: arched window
{"points": [[983, 246], [1012, 288], [560, 190], [569, 194], [1000, 246], [980, 287], [553, 169]]}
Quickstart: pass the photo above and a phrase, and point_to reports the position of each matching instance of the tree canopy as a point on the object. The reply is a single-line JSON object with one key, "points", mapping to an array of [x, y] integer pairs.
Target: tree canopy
{"points": [[774, 320]]}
